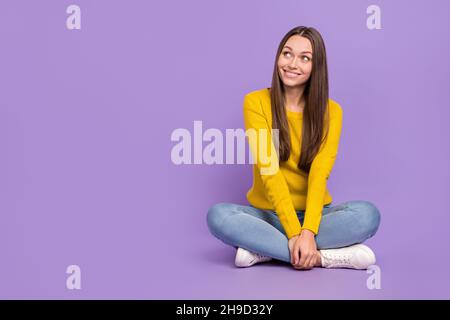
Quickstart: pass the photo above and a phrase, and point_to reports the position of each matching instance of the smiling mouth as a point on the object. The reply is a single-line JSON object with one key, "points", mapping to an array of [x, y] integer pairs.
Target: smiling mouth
{"points": [[290, 73]]}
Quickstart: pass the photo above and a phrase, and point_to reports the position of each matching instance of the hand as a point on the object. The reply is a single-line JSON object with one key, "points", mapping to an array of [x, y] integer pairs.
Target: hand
{"points": [[303, 250]]}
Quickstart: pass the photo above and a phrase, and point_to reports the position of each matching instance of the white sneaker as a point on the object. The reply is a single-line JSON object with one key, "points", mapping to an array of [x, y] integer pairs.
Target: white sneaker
{"points": [[245, 258], [358, 256]]}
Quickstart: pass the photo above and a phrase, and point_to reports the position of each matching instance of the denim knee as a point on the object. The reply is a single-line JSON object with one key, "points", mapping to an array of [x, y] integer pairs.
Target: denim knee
{"points": [[369, 218], [216, 215]]}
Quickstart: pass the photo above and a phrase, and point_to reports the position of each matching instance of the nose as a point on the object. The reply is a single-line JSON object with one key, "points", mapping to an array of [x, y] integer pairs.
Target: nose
{"points": [[293, 64]]}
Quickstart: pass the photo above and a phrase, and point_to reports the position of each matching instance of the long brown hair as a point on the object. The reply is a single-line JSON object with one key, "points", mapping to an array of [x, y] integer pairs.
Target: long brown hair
{"points": [[316, 100]]}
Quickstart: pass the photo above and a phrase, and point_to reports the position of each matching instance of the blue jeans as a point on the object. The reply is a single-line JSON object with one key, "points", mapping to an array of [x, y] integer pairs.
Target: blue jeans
{"points": [[260, 230]]}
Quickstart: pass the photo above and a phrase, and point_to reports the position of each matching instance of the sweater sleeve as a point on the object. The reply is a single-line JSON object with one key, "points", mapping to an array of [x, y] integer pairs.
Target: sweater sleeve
{"points": [[276, 189], [320, 171]]}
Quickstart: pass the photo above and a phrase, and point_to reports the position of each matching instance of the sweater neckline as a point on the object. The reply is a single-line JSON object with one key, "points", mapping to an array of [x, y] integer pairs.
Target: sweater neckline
{"points": [[289, 113], [294, 114]]}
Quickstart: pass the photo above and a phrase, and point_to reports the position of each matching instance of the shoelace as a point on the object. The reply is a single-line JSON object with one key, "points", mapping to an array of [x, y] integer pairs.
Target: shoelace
{"points": [[341, 259], [260, 256]]}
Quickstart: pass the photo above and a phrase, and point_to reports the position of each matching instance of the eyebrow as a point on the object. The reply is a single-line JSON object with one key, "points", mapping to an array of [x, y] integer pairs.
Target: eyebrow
{"points": [[300, 52]]}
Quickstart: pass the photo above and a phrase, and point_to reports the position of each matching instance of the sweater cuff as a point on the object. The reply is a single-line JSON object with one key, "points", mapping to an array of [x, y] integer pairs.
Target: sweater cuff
{"points": [[292, 226], [312, 222]]}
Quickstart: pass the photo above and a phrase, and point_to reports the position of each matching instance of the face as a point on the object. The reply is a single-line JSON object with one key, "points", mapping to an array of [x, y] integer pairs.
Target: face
{"points": [[295, 61]]}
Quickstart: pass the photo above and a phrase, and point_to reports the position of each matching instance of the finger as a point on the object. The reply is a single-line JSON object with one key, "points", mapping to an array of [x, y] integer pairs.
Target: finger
{"points": [[315, 258], [291, 254], [304, 265], [295, 255], [311, 262], [303, 258]]}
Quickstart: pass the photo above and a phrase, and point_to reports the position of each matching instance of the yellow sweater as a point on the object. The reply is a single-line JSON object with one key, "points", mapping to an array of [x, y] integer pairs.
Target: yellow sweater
{"points": [[287, 189]]}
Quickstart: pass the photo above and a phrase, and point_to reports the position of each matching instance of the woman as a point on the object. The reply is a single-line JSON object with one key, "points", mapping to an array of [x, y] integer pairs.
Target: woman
{"points": [[290, 216]]}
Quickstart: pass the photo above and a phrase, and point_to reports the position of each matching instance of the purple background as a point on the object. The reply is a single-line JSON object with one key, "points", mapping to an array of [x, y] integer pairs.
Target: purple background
{"points": [[86, 118]]}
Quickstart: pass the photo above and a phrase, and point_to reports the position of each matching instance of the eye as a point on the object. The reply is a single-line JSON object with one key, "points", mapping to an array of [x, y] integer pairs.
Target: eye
{"points": [[286, 53]]}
